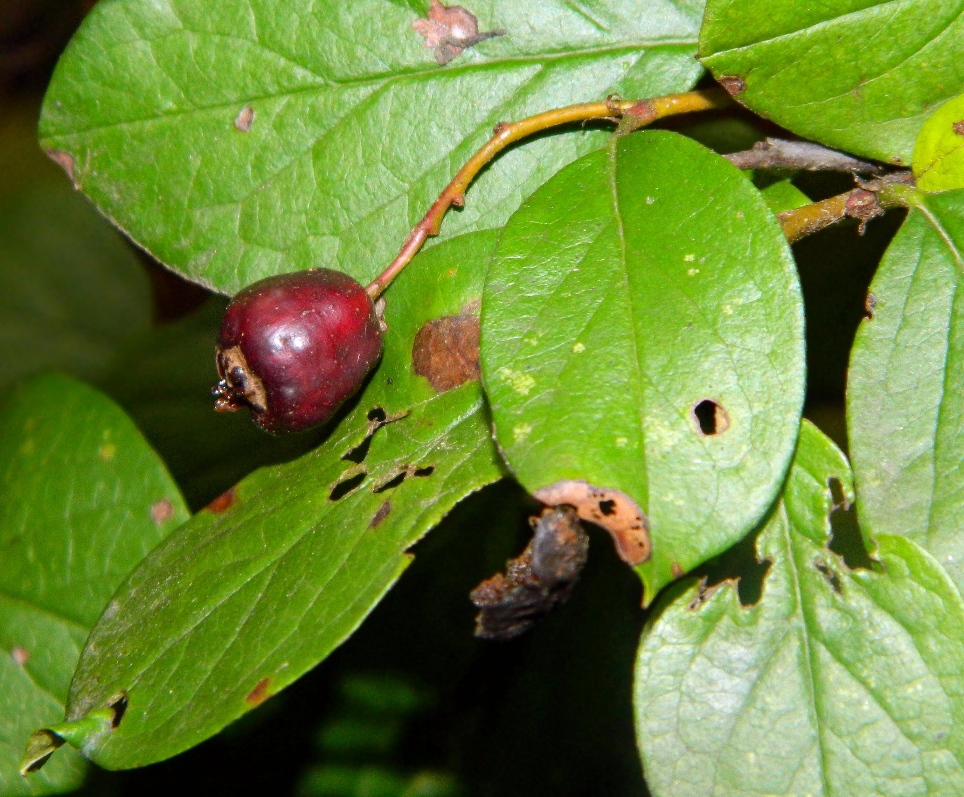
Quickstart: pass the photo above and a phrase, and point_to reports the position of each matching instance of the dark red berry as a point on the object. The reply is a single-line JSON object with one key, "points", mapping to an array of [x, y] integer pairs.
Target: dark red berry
{"points": [[293, 348]]}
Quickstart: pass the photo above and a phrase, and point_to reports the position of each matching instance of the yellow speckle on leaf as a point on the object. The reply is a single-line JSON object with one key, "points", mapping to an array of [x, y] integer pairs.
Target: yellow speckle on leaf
{"points": [[693, 271], [621, 442], [689, 258], [519, 382], [27, 446], [107, 451], [727, 309], [520, 432], [650, 200], [577, 348]]}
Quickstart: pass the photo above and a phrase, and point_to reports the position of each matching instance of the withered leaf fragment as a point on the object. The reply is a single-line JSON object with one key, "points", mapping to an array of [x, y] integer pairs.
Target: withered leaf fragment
{"points": [[449, 30], [541, 578]]}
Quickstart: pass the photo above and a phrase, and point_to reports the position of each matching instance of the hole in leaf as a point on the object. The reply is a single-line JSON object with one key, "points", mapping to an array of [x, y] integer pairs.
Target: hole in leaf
{"points": [[118, 706], [829, 576], [710, 417], [401, 475], [346, 485], [847, 541], [377, 414], [359, 452], [607, 507], [392, 483], [738, 566]]}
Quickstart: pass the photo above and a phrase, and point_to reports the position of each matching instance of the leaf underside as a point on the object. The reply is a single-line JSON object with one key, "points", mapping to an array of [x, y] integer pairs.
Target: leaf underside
{"points": [[692, 316], [905, 393], [857, 75], [837, 682]]}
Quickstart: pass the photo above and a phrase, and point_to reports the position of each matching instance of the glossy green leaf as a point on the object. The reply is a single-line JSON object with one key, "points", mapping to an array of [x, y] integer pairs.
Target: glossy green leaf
{"points": [[71, 291], [261, 586], [639, 287], [837, 682], [349, 128], [905, 395], [82, 500], [856, 75], [939, 152], [784, 195]]}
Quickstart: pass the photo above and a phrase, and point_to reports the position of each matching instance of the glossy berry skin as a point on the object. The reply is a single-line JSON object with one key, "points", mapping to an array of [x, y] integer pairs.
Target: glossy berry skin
{"points": [[293, 348]]}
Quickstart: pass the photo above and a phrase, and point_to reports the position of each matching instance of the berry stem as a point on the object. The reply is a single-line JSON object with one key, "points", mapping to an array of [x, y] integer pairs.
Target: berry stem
{"points": [[629, 114]]}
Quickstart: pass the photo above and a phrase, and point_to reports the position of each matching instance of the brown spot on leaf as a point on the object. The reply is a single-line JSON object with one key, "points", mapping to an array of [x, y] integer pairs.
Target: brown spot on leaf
{"points": [[676, 570], [958, 127], [446, 351], [870, 305], [832, 579], [223, 502], [612, 509], [541, 578], [65, 161], [380, 515], [162, 511], [704, 592], [710, 417], [259, 694], [244, 119], [449, 30], [20, 656], [733, 84]]}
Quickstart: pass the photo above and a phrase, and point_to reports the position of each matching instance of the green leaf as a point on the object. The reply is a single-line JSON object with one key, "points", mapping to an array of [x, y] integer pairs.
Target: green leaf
{"points": [[784, 195], [905, 394], [82, 500], [266, 582], [837, 682], [856, 75], [355, 128], [642, 297], [939, 152], [71, 292]]}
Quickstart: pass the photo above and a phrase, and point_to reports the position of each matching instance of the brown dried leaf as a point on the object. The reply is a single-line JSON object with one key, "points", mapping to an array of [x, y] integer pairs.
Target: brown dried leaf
{"points": [[541, 578], [612, 509]]}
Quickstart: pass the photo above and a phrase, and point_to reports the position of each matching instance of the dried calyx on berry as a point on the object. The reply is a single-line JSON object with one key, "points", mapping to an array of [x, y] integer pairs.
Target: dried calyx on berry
{"points": [[294, 347]]}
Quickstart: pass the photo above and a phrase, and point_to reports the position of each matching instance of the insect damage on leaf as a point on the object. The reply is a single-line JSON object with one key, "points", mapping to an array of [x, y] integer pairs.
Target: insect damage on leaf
{"points": [[541, 578], [449, 30], [244, 119], [612, 509], [259, 694], [446, 351]]}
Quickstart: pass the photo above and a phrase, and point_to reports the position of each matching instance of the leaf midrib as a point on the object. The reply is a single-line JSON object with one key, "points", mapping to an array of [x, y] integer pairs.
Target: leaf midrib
{"points": [[379, 80]]}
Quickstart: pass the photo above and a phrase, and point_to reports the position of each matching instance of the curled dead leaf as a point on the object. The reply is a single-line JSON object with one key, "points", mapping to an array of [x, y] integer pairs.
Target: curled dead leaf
{"points": [[541, 578], [612, 509]]}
